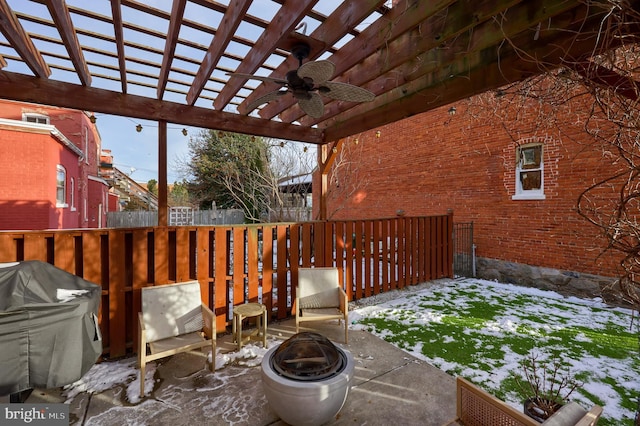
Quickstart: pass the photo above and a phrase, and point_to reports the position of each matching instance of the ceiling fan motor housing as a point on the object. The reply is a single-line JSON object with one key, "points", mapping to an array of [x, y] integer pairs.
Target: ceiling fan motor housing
{"points": [[297, 83], [301, 51]]}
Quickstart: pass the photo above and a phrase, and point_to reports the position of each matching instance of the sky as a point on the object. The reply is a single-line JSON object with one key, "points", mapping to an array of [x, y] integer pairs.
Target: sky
{"points": [[136, 153], [412, 308]]}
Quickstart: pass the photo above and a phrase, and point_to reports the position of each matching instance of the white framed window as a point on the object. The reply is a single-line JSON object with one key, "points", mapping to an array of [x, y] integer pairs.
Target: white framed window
{"points": [[61, 186], [72, 193], [529, 172], [86, 145], [32, 117]]}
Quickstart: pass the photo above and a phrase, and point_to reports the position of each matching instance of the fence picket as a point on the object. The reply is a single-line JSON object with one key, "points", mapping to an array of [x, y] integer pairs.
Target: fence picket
{"points": [[375, 255]]}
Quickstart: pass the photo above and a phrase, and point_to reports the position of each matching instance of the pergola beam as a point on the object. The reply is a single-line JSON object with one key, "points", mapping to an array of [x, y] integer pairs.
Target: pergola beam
{"points": [[228, 26], [395, 69], [477, 72], [24, 88], [283, 24], [177, 11], [365, 44], [21, 42], [348, 15], [61, 17], [119, 39]]}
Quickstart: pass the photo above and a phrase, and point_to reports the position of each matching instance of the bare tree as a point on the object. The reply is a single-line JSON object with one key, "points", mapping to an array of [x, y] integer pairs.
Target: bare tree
{"points": [[600, 94], [346, 177], [241, 171], [291, 165]]}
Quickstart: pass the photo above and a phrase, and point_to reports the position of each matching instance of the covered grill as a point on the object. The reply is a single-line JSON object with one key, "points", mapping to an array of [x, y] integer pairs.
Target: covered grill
{"points": [[49, 333]]}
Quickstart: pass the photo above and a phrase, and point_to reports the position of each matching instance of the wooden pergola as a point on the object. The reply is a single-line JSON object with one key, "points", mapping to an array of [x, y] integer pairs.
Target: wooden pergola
{"points": [[171, 64]]}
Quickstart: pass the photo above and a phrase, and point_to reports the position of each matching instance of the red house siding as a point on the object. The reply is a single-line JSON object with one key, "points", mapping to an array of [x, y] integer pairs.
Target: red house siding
{"points": [[97, 204], [436, 161], [29, 156], [28, 176]]}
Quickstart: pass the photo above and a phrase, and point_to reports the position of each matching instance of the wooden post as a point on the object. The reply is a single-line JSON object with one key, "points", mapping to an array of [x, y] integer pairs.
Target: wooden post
{"points": [[163, 218], [326, 156]]}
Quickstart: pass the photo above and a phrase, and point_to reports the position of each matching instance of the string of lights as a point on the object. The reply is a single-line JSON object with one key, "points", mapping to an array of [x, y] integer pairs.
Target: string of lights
{"points": [[139, 127]]}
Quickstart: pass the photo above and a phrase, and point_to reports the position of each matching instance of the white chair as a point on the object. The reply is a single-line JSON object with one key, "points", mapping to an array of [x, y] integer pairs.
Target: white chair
{"points": [[174, 320], [319, 297]]}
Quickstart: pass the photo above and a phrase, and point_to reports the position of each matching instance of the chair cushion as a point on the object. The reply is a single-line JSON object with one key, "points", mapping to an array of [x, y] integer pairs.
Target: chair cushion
{"points": [[329, 298], [322, 313], [171, 310], [568, 415], [177, 342]]}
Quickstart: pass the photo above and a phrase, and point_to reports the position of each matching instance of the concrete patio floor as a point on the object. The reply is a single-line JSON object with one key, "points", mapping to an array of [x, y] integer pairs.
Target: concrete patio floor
{"points": [[390, 387]]}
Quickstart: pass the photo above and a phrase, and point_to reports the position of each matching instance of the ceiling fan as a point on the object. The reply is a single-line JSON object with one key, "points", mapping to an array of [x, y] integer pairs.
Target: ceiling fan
{"points": [[307, 83]]}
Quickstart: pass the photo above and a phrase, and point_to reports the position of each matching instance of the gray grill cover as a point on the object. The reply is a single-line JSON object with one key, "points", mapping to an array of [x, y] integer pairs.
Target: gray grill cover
{"points": [[45, 342]]}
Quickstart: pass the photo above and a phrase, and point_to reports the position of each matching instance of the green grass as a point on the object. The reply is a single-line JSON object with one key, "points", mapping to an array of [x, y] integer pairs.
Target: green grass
{"points": [[483, 330]]}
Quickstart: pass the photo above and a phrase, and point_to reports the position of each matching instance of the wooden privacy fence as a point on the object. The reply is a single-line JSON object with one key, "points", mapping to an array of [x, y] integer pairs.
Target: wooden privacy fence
{"points": [[238, 264]]}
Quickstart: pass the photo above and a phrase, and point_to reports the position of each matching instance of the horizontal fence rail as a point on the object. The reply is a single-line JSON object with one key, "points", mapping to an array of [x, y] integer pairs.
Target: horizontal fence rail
{"points": [[178, 216], [238, 264]]}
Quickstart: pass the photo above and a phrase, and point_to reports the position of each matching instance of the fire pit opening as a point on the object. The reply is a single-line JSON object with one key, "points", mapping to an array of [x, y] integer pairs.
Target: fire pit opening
{"points": [[307, 356], [307, 379]]}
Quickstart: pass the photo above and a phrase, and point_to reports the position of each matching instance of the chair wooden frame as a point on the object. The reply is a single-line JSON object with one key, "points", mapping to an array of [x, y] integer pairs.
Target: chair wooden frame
{"points": [[475, 407], [173, 320], [320, 297]]}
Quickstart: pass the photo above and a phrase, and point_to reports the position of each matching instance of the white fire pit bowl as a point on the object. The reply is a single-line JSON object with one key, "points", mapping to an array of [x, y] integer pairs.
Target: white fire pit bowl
{"points": [[307, 402]]}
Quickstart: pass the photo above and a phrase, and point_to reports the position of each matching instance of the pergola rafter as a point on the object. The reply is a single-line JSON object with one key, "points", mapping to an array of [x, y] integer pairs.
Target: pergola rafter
{"points": [[414, 55]]}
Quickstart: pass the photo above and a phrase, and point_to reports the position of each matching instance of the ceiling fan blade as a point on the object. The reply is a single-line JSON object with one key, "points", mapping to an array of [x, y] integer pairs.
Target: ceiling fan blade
{"points": [[313, 106], [345, 92], [264, 99], [318, 71], [280, 81]]}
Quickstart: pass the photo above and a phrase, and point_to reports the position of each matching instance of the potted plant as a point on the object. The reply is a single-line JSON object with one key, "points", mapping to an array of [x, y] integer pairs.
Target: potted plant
{"points": [[545, 384]]}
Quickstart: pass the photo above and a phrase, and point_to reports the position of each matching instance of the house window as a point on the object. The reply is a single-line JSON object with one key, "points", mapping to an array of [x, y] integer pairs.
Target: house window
{"points": [[35, 118], [72, 194], [86, 145], [61, 187], [529, 172]]}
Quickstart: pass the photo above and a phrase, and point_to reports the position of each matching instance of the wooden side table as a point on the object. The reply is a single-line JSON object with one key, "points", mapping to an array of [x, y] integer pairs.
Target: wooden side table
{"points": [[250, 310]]}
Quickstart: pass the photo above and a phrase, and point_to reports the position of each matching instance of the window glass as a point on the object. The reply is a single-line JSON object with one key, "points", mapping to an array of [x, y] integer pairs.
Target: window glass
{"points": [[61, 186], [72, 193], [36, 118], [529, 172]]}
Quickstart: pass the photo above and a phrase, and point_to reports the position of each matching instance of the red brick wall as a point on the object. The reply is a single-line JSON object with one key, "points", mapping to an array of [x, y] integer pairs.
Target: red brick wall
{"points": [[28, 160], [28, 181], [97, 204], [20, 209], [466, 162]]}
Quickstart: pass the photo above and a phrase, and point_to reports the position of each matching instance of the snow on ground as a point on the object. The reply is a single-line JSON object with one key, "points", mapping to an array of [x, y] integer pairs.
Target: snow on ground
{"points": [[107, 375], [526, 314], [408, 307]]}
